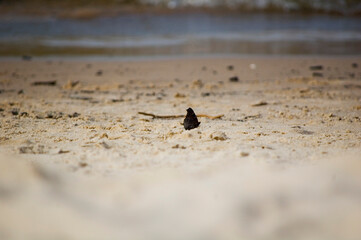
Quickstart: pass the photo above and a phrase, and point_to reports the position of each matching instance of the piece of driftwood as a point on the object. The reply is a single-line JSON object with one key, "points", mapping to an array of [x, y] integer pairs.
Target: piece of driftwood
{"points": [[178, 116]]}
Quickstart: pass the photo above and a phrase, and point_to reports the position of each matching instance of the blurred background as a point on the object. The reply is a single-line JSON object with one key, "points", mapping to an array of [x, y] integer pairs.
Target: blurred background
{"points": [[131, 28]]}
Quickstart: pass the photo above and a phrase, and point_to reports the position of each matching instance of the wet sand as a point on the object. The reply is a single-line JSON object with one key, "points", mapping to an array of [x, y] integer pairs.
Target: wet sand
{"points": [[78, 161]]}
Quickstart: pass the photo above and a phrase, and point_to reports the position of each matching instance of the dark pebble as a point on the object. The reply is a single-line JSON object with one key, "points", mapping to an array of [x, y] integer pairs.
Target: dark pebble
{"points": [[21, 91], [117, 100], [1, 109], [44, 83], [15, 111], [74, 115], [354, 65], [316, 68], [317, 74], [191, 120], [230, 67], [206, 94], [24, 114], [99, 73], [234, 79]]}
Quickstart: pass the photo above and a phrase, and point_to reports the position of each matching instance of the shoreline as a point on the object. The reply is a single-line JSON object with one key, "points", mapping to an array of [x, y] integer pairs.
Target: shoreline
{"points": [[147, 58], [93, 11]]}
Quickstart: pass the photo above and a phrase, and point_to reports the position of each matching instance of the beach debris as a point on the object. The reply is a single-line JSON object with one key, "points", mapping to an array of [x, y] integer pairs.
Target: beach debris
{"points": [[44, 83], [261, 103], [218, 135], [316, 68], [354, 65], [252, 66], [230, 67], [233, 79], [317, 74], [191, 120]]}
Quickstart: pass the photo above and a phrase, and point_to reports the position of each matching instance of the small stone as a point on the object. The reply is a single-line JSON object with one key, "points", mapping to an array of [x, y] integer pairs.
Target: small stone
{"points": [[99, 73], [44, 83], [179, 95], [230, 67], [206, 94], [179, 146], [354, 65], [197, 83], [54, 115], [218, 135], [74, 115], [21, 92], [317, 74], [316, 68], [83, 164], [24, 114], [244, 154], [233, 79], [15, 111]]}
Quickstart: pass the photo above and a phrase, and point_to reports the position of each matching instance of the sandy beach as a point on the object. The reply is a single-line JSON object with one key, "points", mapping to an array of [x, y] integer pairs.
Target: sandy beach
{"points": [[283, 161]]}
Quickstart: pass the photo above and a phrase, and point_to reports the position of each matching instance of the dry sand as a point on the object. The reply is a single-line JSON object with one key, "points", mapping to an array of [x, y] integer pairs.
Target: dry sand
{"points": [[78, 161]]}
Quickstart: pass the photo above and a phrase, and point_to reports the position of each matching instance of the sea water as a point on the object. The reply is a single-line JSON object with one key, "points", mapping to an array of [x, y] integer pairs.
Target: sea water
{"points": [[182, 34]]}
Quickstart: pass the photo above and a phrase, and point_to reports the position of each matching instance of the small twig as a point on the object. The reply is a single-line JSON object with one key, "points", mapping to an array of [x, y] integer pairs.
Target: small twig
{"points": [[210, 117], [160, 116], [178, 116]]}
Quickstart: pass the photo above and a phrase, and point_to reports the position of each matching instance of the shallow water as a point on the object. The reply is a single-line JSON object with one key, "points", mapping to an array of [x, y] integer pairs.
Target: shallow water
{"points": [[182, 34]]}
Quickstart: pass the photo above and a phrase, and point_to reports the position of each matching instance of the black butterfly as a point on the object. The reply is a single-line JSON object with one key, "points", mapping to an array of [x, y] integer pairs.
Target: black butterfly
{"points": [[191, 120]]}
